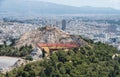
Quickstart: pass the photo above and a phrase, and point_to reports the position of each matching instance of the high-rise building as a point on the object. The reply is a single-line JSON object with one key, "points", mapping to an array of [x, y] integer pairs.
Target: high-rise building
{"points": [[63, 24]]}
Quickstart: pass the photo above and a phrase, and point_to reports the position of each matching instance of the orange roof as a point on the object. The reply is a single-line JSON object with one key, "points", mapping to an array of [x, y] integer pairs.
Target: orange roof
{"points": [[57, 45]]}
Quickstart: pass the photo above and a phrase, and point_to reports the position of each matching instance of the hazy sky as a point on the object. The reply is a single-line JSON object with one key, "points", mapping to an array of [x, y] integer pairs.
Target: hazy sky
{"points": [[95, 3]]}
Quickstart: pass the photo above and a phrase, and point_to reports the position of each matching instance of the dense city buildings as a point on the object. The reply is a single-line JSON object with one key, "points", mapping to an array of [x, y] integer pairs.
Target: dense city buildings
{"points": [[104, 28]]}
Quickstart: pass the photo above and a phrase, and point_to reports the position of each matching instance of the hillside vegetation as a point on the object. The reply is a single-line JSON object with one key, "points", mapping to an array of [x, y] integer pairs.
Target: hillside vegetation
{"points": [[12, 51], [95, 61]]}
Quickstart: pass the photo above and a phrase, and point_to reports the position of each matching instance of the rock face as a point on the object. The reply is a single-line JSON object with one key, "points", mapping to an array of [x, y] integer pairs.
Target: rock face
{"points": [[36, 53], [19, 63], [47, 35], [9, 63]]}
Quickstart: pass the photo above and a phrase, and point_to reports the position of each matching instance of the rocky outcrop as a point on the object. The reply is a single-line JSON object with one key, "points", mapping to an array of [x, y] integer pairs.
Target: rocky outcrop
{"points": [[47, 35], [36, 53], [19, 63], [115, 56], [4, 70]]}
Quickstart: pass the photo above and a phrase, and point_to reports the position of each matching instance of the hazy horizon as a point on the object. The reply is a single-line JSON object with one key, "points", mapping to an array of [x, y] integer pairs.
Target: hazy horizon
{"points": [[77, 3], [36, 7]]}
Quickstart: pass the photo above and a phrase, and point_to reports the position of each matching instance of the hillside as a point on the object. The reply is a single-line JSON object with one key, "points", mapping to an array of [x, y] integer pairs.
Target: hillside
{"points": [[49, 35], [78, 62]]}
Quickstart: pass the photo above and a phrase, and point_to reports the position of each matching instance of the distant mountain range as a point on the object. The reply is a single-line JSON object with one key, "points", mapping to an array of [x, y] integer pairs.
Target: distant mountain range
{"points": [[22, 7]]}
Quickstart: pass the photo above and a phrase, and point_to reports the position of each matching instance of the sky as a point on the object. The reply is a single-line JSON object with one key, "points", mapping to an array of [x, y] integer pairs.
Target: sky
{"points": [[95, 3]]}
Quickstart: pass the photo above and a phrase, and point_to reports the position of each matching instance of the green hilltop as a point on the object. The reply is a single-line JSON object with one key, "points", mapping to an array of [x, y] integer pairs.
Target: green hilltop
{"points": [[87, 61]]}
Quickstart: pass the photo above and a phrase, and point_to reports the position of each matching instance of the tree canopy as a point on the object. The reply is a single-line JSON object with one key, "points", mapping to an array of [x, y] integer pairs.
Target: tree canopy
{"points": [[95, 61]]}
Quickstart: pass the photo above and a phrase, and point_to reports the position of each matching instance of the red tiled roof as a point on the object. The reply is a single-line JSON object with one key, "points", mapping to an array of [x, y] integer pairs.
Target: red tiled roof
{"points": [[57, 45]]}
